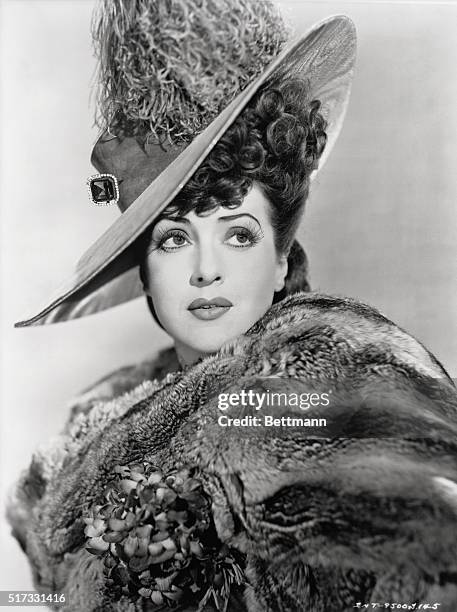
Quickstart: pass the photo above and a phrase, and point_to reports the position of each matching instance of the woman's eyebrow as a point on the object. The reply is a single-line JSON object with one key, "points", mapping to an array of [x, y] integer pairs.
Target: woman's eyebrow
{"points": [[224, 218], [231, 217], [172, 218]]}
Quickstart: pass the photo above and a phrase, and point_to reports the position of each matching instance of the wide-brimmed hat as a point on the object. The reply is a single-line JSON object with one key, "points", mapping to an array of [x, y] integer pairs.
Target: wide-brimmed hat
{"points": [[150, 175]]}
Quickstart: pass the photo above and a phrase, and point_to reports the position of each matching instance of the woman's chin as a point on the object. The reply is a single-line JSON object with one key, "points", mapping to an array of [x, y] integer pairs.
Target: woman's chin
{"points": [[208, 346], [207, 337]]}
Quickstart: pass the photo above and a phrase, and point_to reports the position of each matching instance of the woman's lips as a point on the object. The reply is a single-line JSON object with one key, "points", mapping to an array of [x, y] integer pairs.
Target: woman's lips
{"points": [[209, 309]]}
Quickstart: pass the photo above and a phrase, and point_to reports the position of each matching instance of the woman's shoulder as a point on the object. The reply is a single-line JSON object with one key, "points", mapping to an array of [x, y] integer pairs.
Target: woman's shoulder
{"points": [[124, 379], [323, 326]]}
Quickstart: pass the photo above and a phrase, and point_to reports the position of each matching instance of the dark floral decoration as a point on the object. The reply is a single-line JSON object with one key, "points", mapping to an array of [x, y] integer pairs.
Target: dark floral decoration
{"points": [[158, 541]]}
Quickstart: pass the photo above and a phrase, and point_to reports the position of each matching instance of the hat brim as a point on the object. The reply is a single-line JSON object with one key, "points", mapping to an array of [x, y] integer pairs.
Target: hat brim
{"points": [[107, 273]]}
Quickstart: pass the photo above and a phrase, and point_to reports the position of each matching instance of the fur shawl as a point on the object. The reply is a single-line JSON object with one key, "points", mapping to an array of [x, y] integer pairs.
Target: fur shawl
{"points": [[361, 510]]}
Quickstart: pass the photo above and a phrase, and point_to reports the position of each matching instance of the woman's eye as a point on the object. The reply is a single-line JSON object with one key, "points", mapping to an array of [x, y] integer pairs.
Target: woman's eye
{"points": [[173, 240], [242, 237]]}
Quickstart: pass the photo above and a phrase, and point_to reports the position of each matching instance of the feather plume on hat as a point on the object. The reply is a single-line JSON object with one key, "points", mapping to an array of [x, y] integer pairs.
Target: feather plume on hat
{"points": [[168, 68]]}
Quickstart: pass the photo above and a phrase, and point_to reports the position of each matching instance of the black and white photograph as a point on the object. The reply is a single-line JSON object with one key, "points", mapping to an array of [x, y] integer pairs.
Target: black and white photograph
{"points": [[228, 305]]}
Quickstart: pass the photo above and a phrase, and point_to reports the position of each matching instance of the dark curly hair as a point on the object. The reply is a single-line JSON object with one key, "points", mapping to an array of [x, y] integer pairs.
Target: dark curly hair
{"points": [[276, 142]]}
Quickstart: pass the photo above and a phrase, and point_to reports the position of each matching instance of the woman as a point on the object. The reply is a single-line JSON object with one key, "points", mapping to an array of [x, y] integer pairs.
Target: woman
{"points": [[207, 513], [249, 192]]}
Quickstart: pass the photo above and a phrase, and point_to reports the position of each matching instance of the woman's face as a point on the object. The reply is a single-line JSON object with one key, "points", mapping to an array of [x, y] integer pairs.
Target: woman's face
{"points": [[211, 277]]}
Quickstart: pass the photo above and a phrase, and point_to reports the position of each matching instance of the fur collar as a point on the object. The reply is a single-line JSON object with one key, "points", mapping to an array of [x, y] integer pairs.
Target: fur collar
{"points": [[388, 454]]}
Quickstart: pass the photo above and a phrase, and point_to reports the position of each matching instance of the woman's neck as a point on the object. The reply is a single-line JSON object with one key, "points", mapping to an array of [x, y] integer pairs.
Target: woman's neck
{"points": [[187, 356]]}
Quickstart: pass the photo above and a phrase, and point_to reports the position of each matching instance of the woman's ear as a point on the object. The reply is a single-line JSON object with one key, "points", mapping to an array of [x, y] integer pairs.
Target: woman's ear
{"points": [[297, 273], [143, 279], [282, 267]]}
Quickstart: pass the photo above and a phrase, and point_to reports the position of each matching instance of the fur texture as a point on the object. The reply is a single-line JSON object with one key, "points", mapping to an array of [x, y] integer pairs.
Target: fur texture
{"points": [[364, 509]]}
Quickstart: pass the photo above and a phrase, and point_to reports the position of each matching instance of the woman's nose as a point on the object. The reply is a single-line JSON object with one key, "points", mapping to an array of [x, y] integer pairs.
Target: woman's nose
{"points": [[207, 269]]}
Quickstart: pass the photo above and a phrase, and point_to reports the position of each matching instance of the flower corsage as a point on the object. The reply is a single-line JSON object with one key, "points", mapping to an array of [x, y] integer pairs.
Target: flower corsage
{"points": [[157, 538]]}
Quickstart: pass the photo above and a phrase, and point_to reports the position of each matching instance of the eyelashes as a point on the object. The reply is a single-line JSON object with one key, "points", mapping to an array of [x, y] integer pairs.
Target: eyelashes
{"points": [[249, 232], [173, 234], [238, 237], [156, 242]]}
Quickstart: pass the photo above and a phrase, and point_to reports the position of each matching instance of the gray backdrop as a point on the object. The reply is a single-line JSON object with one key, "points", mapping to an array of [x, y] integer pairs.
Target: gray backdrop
{"points": [[380, 225]]}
